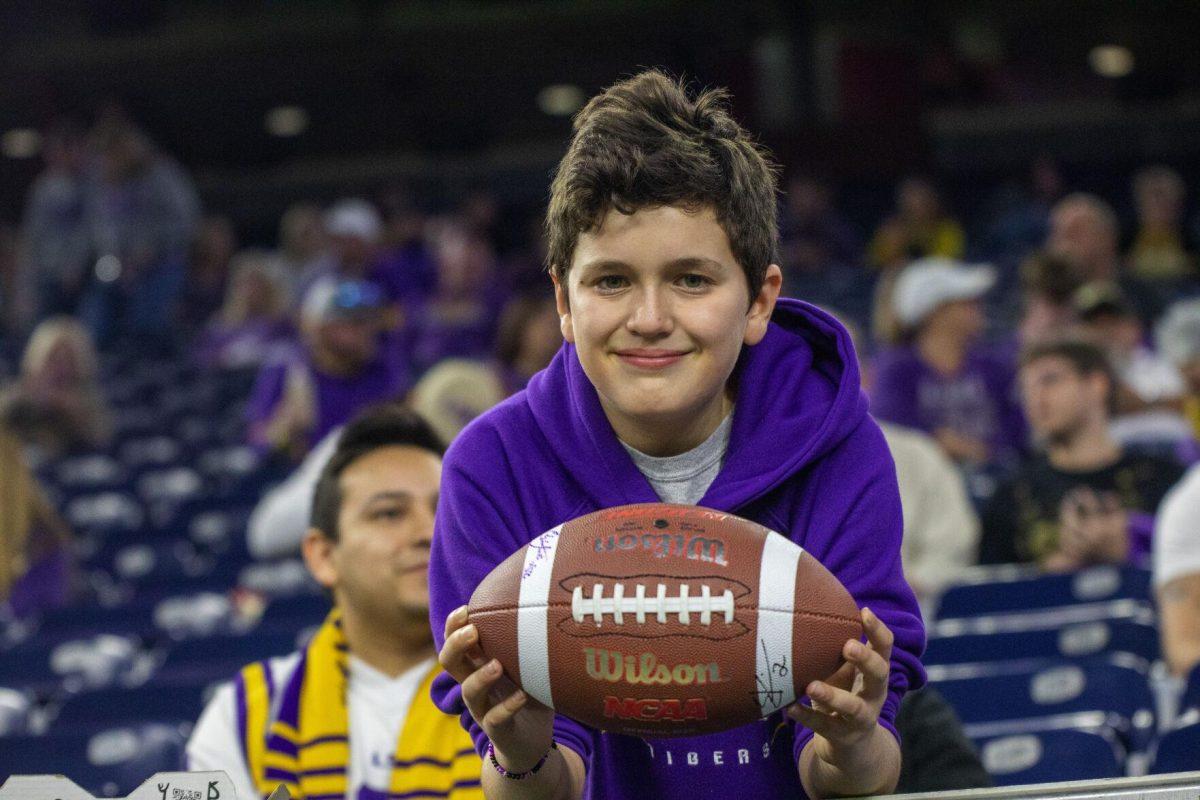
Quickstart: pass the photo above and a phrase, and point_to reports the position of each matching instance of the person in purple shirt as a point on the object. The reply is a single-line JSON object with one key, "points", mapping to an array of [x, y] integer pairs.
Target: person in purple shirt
{"points": [[679, 355], [340, 367], [941, 381]]}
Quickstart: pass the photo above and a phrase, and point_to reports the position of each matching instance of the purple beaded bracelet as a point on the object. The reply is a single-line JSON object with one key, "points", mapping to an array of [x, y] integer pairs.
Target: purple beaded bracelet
{"points": [[519, 776]]}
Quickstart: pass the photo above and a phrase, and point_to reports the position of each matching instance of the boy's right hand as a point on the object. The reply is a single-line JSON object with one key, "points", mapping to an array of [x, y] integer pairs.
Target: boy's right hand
{"points": [[519, 727]]}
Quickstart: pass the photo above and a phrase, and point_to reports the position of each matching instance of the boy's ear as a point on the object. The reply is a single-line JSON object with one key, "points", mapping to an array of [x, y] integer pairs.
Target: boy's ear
{"points": [[564, 308], [318, 550], [762, 305]]}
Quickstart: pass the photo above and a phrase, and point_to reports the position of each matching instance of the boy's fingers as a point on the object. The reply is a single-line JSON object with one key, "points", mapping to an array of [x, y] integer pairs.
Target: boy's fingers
{"points": [[878, 634], [460, 655], [502, 712], [847, 705], [476, 689], [455, 620], [820, 724]]}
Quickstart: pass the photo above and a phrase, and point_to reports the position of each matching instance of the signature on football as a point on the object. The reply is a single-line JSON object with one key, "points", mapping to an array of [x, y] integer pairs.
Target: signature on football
{"points": [[541, 549], [768, 695]]}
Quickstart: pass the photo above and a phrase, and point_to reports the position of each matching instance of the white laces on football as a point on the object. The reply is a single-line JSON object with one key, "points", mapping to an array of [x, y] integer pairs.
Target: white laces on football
{"points": [[659, 605]]}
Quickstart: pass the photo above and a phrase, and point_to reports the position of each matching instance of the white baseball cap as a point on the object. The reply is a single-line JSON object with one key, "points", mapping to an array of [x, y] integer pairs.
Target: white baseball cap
{"points": [[928, 283], [354, 217]]}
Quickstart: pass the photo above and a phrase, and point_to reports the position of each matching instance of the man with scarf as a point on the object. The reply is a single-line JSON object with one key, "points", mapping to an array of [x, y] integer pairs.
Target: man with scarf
{"points": [[350, 715]]}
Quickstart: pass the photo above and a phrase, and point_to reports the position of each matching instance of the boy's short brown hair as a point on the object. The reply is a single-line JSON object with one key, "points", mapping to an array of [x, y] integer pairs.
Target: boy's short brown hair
{"points": [[644, 142]]}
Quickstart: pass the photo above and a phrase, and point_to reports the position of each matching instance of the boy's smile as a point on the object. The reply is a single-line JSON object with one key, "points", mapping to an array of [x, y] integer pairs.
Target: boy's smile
{"points": [[658, 309]]}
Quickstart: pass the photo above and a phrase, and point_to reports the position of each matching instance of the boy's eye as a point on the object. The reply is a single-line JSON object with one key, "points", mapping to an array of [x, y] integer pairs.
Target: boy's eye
{"points": [[693, 280], [610, 283]]}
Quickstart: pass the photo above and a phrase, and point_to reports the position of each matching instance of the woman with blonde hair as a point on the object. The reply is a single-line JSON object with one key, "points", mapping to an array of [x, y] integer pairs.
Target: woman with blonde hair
{"points": [[56, 404], [253, 321], [35, 564]]}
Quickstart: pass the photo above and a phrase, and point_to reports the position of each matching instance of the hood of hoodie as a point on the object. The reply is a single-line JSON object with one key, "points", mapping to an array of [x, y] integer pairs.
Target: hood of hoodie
{"points": [[797, 396]]}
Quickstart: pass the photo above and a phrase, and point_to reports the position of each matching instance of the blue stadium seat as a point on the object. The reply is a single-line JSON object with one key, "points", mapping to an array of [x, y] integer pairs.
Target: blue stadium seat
{"points": [[108, 763], [1178, 751], [132, 618], [1019, 691], [1190, 701], [1008, 589], [218, 658], [1052, 642], [44, 667], [106, 708], [16, 707], [1051, 756]]}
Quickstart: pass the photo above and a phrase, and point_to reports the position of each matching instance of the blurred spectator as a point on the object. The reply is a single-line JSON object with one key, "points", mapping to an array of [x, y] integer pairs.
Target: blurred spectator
{"points": [[1150, 389], [56, 237], [940, 381], [449, 396], [208, 269], [814, 236], [941, 530], [460, 318], [301, 243], [1081, 499], [1177, 574], [1048, 286], [353, 230], [35, 555], [339, 369], [1161, 248], [1022, 220], [935, 753], [919, 228], [252, 324], [1178, 339], [142, 211], [56, 404], [406, 270], [1084, 233], [364, 676]]}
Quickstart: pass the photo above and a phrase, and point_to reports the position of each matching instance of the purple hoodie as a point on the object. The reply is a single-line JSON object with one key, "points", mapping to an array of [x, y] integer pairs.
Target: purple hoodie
{"points": [[804, 459]]}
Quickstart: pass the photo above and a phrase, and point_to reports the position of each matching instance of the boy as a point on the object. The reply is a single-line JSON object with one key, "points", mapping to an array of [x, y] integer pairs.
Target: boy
{"points": [[681, 380]]}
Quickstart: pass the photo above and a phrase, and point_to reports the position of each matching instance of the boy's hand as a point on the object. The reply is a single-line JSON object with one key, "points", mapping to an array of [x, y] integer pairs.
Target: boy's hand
{"points": [[845, 714], [519, 727]]}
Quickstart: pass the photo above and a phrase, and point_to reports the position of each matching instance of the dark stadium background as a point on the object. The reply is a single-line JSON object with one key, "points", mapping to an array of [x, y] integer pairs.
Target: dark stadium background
{"points": [[269, 103]]}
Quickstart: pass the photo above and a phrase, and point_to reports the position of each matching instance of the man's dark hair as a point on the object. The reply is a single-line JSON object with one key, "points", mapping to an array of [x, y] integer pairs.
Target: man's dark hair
{"points": [[1084, 357], [386, 425], [645, 143]]}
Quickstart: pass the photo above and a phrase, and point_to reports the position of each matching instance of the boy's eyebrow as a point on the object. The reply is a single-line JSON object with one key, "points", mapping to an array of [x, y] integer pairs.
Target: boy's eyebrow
{"points": [[683, 262]]}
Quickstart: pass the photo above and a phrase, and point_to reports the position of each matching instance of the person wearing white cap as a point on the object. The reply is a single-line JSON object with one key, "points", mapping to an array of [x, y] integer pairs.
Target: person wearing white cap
{"points": [[353, 229], [939, 380]]}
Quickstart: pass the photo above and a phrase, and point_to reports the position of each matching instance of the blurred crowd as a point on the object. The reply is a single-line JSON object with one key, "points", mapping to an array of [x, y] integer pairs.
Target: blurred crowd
{"points": [[1036, 369]]}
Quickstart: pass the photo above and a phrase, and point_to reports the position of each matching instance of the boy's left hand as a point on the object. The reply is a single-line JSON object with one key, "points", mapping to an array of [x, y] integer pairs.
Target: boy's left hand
{"points": [[845, 707]]}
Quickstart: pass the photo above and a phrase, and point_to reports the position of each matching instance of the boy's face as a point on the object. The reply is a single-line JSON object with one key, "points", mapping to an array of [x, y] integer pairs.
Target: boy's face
{"points": [[658, 309]]}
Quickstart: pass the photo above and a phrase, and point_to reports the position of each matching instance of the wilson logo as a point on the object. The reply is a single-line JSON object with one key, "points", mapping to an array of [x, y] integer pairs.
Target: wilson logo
{"points": [[644, 670], [662, 545], [651, 709]]}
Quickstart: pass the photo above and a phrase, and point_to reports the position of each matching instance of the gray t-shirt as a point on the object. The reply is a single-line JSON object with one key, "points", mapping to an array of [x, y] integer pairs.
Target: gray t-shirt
{"points": [[686, 477]]}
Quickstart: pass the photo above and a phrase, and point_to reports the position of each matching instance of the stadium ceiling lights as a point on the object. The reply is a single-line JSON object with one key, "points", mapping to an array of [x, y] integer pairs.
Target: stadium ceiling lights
{"points": [[21, 143], [560, 99], [286, 121], [1111, 60]]}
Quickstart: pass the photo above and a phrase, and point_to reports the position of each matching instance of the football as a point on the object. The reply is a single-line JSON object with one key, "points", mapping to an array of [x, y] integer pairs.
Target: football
{"points": [[663, 620]]}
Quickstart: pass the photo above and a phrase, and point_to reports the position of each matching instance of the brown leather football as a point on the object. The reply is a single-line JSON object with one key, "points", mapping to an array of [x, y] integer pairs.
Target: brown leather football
{"points": [[664, 620]]}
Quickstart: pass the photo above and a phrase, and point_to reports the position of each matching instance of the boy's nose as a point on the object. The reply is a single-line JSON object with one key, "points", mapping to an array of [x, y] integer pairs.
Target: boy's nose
{"points": [[650, 317]]}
